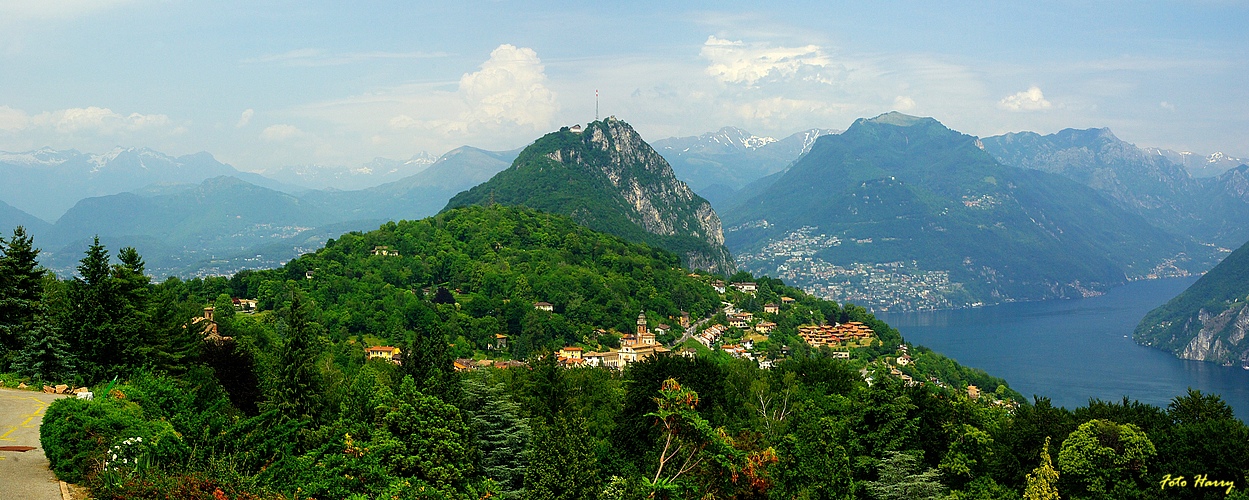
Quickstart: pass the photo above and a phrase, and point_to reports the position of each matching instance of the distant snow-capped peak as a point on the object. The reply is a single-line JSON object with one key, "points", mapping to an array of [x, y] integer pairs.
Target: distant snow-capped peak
{"points": [[737, 137], [41, 157]]}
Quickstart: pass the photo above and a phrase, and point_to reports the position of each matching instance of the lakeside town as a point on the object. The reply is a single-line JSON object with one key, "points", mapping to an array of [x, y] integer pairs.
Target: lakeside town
{"points": [[882, 287]]}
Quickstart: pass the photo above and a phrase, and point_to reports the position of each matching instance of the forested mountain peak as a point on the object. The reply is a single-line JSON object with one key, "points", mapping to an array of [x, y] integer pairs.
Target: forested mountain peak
{"points": [[898, 120], [608, 178]]}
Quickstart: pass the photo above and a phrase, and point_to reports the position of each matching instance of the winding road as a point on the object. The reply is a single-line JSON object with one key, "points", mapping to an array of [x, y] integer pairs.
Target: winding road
{"points": [[24, 474]]}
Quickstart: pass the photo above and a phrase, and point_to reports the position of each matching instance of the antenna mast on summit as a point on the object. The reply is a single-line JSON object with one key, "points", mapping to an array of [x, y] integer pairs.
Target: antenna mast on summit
{"points": [[595, 104]]}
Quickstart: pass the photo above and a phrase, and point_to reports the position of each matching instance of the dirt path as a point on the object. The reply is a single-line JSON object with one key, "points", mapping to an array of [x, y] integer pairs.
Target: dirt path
{"points": [[25, 474]]}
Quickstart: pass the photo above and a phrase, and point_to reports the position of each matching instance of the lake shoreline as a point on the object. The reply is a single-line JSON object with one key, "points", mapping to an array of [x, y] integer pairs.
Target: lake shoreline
{"points": [[1075, 349]]}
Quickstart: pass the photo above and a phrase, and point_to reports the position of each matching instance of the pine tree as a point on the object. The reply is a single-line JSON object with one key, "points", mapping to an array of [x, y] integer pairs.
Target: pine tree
{"points": [[900, 478], [21, 287], [89, 325], [1043, 481], [428, 361], [46, 355], [562, 465], [129, 309], [502, 437], [296, 389]]}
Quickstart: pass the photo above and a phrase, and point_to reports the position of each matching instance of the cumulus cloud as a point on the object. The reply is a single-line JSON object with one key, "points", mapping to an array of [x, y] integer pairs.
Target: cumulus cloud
{"points": [[1028, 100], [502, 103], [280, 132], [733, 61], [903, 103], [510, 87], [245, 118], [98, 120]]}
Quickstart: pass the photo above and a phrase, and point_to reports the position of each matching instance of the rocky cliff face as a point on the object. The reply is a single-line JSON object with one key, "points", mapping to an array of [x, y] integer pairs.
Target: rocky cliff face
{"points": [[659, 201], [1219, 337], [607, 178]]}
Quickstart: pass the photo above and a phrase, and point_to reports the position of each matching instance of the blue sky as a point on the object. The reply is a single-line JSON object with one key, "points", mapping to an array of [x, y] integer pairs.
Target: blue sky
{"points": [[264, 84]]}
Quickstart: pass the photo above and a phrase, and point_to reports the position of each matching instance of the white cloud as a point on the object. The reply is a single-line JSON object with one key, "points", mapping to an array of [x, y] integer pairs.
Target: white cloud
{"points": [[1167, 106], [502, 104], [280, 132], [1028, 100], [97, 120], [245, 118], [510, 87], [733, 61], [90, 128], [903, 103], [12, 120]]}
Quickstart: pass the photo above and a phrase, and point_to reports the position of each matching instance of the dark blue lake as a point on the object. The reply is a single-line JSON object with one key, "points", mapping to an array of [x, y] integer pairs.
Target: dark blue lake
{"points": [[1074, 350]]}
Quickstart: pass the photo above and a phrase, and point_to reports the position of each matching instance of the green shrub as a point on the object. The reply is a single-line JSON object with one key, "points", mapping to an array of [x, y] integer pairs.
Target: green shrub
{"points": [[77, 433]]}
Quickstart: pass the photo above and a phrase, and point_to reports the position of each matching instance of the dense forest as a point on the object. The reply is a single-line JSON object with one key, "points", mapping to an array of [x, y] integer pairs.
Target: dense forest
{"points": [[280, 401]]}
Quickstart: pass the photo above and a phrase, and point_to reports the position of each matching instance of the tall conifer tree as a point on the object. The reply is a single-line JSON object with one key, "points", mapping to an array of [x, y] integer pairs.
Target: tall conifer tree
{"points": [[21, 286]]}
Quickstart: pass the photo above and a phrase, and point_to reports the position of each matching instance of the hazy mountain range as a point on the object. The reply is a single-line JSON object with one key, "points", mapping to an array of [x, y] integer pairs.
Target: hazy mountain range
{"points": [[46, 183], [898, 188], [1200, 165], [344, 178], [719, 164], [1209, 210], [193, 215]]}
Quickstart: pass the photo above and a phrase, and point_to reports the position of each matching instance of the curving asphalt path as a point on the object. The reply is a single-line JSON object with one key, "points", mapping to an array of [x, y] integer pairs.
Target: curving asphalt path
{"points": [[25, 475]]}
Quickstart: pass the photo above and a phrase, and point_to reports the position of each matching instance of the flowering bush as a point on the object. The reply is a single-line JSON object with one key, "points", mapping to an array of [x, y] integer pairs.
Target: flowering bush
{"points": [[124, 455]]}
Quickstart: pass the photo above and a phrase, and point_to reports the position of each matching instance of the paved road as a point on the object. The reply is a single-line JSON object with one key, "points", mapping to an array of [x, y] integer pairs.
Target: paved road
{"points": [[25, 475], [689, 332]]}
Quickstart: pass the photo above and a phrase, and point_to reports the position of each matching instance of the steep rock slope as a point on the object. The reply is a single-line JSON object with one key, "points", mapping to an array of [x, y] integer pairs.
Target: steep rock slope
{"points": [[609, 179], [898, 188]]}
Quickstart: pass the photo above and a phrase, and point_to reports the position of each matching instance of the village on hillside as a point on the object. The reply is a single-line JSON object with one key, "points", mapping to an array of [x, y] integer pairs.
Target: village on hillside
{"points": [[765, 334]]}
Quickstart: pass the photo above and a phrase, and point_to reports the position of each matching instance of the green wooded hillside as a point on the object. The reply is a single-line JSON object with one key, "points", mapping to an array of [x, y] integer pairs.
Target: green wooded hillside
{"points": [[290, 408]]}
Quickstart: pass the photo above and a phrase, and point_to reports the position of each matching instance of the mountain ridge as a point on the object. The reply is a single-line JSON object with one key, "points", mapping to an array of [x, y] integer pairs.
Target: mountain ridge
{"points": [[898, 188]]}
